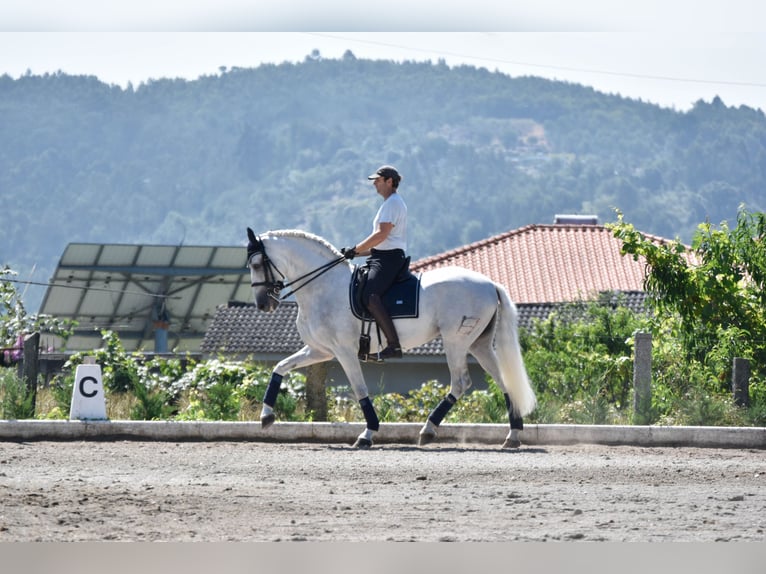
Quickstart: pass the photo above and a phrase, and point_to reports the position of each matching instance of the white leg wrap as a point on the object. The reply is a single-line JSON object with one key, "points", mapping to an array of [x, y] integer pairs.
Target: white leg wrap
{"points": [[266, 411], [512, 440], [367, 434]]}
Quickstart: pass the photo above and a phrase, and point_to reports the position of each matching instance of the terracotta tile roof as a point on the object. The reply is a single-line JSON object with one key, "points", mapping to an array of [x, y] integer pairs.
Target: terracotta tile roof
{"points": [[549, 263]]}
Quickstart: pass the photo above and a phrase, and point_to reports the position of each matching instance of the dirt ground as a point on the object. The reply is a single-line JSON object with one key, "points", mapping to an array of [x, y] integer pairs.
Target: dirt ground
{"points": [[265, 492]]}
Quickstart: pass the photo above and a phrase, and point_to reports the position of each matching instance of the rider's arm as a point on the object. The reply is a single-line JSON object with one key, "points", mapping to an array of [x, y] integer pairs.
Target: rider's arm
{"points": [[375, 238]]}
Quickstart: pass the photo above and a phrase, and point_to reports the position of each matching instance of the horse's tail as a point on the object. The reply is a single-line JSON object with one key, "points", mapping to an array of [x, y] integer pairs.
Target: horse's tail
{"points": [[508, 349]]}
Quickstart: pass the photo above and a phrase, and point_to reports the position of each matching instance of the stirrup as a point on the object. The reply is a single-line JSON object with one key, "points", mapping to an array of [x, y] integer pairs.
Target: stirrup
{"points": [[364, 348]]}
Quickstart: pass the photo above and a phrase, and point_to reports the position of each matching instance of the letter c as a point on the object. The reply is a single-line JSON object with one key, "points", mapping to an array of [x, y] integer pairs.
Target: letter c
{"points": [[82, 387]]}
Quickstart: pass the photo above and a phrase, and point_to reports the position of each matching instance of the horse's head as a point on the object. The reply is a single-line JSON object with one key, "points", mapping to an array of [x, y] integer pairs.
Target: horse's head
{"points": [[266, 287]]}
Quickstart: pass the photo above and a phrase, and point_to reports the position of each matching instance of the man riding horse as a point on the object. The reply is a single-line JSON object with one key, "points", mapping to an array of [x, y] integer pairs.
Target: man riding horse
{"points": [[385, 249]]}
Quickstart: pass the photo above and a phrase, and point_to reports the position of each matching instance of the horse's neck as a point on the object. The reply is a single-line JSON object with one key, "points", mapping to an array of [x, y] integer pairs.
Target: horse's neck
{"points": [[298, 257]]}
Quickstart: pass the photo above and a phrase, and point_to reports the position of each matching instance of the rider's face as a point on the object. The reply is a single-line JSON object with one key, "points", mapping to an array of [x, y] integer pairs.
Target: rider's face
{"points": [[383, 186]]}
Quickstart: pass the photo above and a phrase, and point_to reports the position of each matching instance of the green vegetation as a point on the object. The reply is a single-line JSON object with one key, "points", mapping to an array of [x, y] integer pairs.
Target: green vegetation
{"points": [[709, 306], [16, 400], [580, 361]]}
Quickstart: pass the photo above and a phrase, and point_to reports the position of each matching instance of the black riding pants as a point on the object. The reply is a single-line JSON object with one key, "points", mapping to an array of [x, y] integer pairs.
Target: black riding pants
{"points": [[384, 266]]}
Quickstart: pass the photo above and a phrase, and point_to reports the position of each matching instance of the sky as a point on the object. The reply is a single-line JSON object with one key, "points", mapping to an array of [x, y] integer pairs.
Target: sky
{"points": [[670, 52]]}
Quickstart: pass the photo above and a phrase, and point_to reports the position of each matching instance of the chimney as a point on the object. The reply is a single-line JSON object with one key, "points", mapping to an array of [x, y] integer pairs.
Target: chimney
{"points": [[567, 219]]}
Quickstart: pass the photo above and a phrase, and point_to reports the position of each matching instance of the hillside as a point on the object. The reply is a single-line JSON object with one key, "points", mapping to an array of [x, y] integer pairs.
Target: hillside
{"points": [[278, 146]]}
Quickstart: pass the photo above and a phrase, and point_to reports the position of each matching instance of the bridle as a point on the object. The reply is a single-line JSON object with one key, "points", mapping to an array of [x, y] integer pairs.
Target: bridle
{"points": [[273, 285]]}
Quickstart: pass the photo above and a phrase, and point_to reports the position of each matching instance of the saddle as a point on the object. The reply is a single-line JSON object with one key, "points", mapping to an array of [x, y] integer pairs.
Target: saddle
{"points": [[401, 300]]}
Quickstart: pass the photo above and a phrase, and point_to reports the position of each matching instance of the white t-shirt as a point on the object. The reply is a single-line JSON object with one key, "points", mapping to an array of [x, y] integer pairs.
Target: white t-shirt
{"points": [[393, 210]]}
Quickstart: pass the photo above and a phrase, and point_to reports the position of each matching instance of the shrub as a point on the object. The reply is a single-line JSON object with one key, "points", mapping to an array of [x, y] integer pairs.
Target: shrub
{"points": [[150, 404], [61, 388], [17, 401], [582, 355], [119, 369]]}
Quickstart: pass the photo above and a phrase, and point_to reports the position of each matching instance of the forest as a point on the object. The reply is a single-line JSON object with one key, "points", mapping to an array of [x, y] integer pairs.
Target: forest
{"points": [[289, 146]]}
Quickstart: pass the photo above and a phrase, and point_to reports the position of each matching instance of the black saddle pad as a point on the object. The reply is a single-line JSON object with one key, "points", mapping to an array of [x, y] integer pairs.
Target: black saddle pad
{"points": [[401, 300]]}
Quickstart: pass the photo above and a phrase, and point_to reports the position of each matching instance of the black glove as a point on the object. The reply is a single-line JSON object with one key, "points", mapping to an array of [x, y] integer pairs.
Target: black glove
{"points": [[349, 252]]}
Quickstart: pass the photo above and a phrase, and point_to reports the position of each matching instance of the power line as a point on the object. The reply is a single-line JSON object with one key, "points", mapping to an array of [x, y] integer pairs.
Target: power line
{"points": [[544, 66], [89, 288]]}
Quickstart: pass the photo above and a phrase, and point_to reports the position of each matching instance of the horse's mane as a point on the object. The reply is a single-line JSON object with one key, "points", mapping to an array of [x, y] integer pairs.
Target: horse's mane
{"points": [[297, 233]]}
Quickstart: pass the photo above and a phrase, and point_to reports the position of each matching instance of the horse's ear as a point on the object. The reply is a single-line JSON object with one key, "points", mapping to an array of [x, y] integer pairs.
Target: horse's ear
{"points": [[252, 243]]}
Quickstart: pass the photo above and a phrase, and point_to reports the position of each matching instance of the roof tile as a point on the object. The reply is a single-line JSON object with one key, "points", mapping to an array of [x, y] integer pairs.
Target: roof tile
{"points": [[548, 263]]}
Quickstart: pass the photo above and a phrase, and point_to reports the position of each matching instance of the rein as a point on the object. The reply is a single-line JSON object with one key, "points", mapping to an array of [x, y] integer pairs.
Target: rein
{"points": [[275, 286]]}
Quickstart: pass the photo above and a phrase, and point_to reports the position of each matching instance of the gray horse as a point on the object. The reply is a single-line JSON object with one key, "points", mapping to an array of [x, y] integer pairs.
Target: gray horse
{"points": [[470, 312]]}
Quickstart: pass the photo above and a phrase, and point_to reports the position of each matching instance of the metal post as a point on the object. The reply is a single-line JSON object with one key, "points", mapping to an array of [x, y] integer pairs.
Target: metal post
{"points": [[642, 379], [740, 382], [161, 323], [30, 367]]}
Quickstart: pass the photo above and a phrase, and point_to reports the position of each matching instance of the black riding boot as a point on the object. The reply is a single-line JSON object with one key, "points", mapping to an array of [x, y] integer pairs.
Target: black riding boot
{"points": [[377, 310]]}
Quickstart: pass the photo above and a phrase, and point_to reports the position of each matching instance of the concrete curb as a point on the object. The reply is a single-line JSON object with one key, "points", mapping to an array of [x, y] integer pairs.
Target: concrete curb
{"points": [[390, 433]]}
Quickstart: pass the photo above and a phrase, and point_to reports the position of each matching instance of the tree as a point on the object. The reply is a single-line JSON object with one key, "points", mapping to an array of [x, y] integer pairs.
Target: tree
{"points": [[717, 288], [15, 322]]}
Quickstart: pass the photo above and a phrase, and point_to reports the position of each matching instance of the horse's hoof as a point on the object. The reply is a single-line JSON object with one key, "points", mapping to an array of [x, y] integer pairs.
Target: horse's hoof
{"points": [[512, 443], [426, 438], [362, 443], [268, 420]]}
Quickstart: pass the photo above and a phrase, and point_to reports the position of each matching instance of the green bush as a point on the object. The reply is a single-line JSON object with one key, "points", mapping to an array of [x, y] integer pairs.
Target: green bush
{"points": [[119, 369], [480, 406], [151, 404], [581, 355], [61, 388], [16, 400], [580, 362]]}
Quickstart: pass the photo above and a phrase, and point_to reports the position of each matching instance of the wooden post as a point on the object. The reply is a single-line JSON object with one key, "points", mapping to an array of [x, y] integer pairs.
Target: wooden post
{"points": [[30, 367], [642, 379], [316, 397], [740, 382]]}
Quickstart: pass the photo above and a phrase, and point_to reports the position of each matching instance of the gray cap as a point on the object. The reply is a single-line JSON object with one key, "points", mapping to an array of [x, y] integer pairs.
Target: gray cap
{"points": [[385, 171]]}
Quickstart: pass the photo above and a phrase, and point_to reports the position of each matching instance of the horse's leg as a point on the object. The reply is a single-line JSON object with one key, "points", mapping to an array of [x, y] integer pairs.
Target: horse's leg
{"points": [[485, 354], [364, 440], [350, 363], [303, 358], [517, 424], [460, 382]]}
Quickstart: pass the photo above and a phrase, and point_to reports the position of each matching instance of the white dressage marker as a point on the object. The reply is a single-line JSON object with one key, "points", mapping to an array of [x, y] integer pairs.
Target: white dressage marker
{"points": [[88, 398]]}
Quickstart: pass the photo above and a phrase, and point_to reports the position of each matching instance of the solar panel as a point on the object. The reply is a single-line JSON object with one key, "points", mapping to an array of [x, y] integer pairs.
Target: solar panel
{"points": [[147, 294]]}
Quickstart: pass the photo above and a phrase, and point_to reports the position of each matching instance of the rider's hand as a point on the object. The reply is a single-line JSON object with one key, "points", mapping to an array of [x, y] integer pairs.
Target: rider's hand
{"points": [[349, 252]]}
